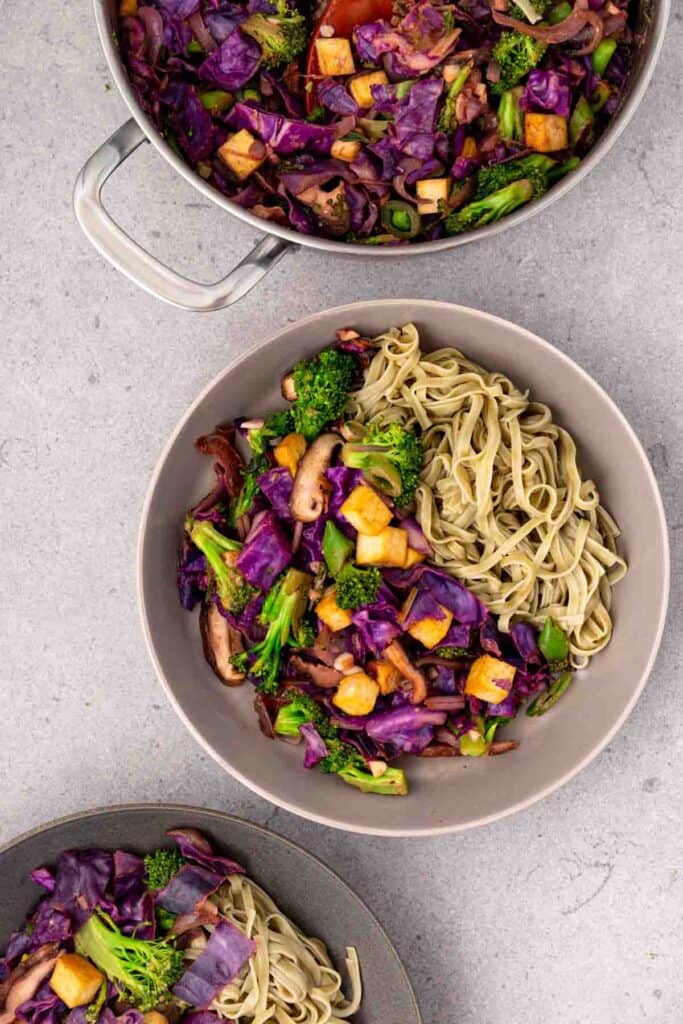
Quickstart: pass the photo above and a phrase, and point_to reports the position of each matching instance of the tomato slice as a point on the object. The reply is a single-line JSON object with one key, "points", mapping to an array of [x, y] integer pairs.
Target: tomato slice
{"points": [[343, 16]]}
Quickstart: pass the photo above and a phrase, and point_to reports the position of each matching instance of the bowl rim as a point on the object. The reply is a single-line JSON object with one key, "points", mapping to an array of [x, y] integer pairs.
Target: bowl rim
{"points": [[224, 816], [351, 309], [658, 13]]}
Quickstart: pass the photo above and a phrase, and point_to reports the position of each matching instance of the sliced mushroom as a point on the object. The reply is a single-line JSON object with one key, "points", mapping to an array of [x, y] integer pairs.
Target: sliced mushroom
{"points": [[440, 750], [287, 388], [219, 444], [322, 675], [309, 493], [502, 747], [25, 987], [400, 660], [221, 641]]}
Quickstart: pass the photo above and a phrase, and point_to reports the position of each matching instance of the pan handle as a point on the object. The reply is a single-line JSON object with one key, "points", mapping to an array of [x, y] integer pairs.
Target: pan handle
{"points": [[134, 261]]}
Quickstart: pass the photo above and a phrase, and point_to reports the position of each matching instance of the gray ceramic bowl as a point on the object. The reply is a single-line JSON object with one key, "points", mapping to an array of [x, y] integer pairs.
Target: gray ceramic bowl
{"points": [[445, 795], [308, 892]]}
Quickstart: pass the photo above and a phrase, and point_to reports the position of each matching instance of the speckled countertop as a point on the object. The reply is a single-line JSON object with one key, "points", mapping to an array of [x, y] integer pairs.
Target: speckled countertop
{"points": [[569, 912]]}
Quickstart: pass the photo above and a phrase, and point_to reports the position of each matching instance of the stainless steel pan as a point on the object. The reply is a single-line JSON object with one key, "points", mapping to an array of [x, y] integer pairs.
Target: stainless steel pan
{"points": [[145, 270]]}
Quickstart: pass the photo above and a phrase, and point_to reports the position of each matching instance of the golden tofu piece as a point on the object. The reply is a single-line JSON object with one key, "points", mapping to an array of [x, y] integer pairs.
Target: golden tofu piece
{"points": [[429, 631], [356, 694], [345, 149], [128, 8], [387, 675], [289, 452], [413, 557], [366, 511], [335, 56], [546, 133], [388, 548], [484, 675], [361, 87], [154, 1017], [432, 194], [329, 612], [469, 148], [242, 153], [75, 980]]}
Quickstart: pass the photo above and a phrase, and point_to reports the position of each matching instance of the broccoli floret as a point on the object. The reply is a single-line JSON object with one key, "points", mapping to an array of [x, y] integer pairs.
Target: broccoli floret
{"points": [[321, 385], [534, 168], [283, 611], [240, 661], [275, 426], [282, 36], [356, 587], [243, 502], [447, 120], [390, 457], [161, 866], [516, 54], [490, 208], [233, 590], [450, 651], [345, 761], [298, 711], [143, 970]]}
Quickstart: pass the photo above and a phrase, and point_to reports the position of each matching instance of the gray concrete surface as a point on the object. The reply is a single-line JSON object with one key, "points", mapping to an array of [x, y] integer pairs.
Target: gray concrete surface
{"points": [[571, 912]]}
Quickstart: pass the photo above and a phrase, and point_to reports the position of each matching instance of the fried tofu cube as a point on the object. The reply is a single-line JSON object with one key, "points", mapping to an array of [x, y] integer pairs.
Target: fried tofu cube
{"points": [[75, 980], [387, 548], [469, 148], [546, 133], [366, 511], [356, 694], [154, 1017], [484, 677], [335, 56], [329, 612], [361, 87], [430, 631], [289, 452], [432, 194], [242, 153], [413, 557], [345, 149], [387, 675], [128, 8]]}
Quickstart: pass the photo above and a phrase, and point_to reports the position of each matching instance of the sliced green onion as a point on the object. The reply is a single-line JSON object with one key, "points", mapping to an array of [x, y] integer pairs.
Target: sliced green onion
{"points": [[581, 121], [553, 642], [602, 55], [559, 13], [401, 219], [194, 47], [510, 117], [545, 701], [216, 100], [602, 93], [403, 88], [249, 94]]}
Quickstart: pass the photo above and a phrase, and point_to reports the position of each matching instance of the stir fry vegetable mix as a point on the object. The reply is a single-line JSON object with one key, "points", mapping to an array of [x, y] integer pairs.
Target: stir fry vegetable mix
{"points": [[102, 945], [376, 124], [320, 592]]}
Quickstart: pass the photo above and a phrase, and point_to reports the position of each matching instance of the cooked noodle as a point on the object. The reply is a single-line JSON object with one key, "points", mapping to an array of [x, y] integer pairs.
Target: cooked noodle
{"points": [[501, 498], [290, 979]]}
